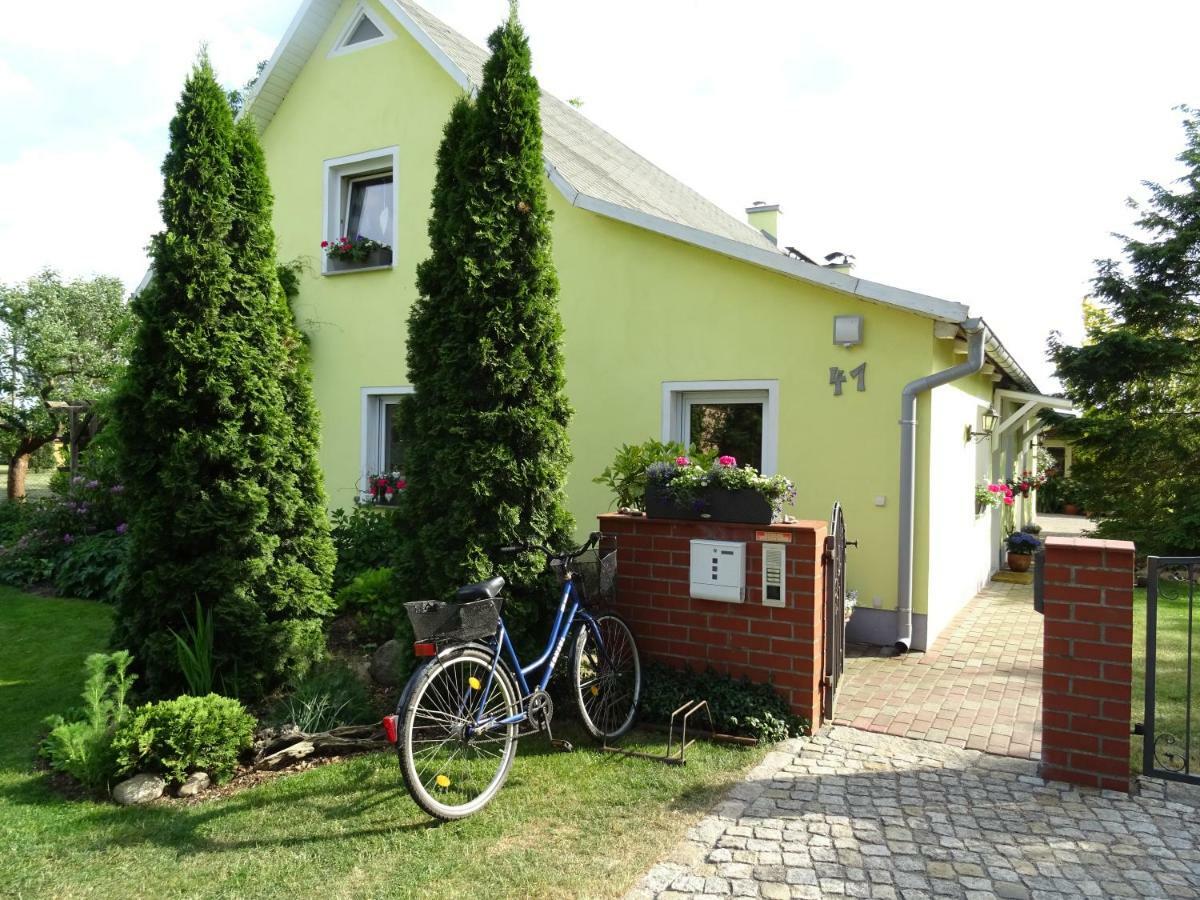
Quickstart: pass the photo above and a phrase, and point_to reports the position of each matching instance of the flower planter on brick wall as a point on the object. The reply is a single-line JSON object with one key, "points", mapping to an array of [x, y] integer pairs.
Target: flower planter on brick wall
{"points": [[780, 645], [714, 505]]}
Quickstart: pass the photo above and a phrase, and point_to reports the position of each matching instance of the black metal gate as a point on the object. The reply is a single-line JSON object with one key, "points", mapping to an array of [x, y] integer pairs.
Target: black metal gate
{"points": [[1171, 747], [834, 557]]}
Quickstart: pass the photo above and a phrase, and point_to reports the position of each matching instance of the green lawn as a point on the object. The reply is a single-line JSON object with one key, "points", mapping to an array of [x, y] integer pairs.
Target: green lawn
{"points": [[581, 824], [37, 484], [1171, 697]]}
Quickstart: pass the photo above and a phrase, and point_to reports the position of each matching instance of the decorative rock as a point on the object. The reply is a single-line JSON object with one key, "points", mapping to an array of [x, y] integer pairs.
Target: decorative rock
{"points": [[195, 784], [386, 664], [139, 789]]}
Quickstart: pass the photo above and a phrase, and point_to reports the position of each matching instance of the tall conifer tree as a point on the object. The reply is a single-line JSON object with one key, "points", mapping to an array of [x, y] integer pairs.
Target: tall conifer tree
{"points": [[209, 452], [1137, 376], [486, 428]]}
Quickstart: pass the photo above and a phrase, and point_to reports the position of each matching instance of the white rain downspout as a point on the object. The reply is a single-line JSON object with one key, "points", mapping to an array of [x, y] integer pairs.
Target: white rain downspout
{"points": [[977, 335]]}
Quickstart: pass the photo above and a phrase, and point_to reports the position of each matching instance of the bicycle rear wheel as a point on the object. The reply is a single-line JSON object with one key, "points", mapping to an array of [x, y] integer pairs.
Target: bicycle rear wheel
{"points": [[608, 679], [451, 769]]}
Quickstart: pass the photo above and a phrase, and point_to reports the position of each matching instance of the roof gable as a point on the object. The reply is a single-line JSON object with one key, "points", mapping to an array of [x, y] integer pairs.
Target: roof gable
{"points": [[593, 169]]}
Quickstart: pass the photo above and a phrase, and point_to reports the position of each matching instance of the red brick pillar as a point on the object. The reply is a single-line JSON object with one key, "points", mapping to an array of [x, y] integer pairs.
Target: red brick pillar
{"points": [[1088, 662]]}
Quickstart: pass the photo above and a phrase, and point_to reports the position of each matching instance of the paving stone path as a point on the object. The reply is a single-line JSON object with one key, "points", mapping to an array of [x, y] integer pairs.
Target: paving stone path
{"points": [[859, 814], [979, 686]]}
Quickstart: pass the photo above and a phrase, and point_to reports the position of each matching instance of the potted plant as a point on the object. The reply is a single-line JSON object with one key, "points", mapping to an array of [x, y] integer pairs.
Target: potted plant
{"points": [[626, 475], [1070, 506], [992, 495], [722, 492], [1021, 547], [385, 489], [1027, 483], [355, 253]]}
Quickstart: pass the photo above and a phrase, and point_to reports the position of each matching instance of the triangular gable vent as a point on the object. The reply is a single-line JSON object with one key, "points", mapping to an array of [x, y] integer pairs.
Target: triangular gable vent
{"points": [[363, 29]]}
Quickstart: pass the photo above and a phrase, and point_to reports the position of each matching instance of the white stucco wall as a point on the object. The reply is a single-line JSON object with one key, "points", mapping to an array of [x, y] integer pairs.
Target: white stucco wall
{"points": [[961, 557]]}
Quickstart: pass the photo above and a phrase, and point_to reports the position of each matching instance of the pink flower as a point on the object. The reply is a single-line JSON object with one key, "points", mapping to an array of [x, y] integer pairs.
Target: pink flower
{"points": [[994, 488], [324, 243], [727, 461], [401, 484], [682, 461], [1008, 501]]}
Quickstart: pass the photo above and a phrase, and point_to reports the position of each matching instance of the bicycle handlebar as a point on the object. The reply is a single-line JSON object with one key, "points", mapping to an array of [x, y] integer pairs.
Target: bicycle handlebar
{"points": [[551, 556]]}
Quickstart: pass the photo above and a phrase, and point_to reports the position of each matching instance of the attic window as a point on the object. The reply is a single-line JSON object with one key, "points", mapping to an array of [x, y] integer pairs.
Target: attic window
{"points": [[363, 29]]}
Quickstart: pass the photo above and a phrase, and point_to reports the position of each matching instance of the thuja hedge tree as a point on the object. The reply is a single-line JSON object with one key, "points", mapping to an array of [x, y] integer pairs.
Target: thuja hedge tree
{"points": [[1137, 376], [216, 426], [486, 427]]}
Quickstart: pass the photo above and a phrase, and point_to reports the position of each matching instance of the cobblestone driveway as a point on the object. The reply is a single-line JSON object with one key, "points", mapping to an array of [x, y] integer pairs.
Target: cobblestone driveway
{"points": [[873, 815]]}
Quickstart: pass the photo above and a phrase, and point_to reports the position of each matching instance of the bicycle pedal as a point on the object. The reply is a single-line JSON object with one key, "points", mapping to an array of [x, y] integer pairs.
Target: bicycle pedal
{"points": [[564, 746]]}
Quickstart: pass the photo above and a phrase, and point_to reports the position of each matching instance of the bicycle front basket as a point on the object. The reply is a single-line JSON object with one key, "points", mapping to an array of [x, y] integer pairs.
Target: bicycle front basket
{"points": [[440, 622], [598, 569]]}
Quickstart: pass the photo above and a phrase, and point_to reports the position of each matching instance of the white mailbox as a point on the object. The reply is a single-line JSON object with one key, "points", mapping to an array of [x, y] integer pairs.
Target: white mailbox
{"points": [[719, 571]]}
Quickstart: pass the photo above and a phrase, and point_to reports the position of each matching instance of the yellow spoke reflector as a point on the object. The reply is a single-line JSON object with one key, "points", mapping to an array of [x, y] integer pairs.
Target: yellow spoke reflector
{"points": [[475, 683], [442, 781], [595, 690]]}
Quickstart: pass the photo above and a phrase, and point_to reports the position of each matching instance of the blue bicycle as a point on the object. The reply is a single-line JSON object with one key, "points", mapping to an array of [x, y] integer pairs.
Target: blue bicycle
{"points": [[464, 709]]}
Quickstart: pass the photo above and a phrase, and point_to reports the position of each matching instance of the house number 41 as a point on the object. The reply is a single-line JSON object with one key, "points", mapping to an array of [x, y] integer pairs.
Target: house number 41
{"points": [[837, 377]]}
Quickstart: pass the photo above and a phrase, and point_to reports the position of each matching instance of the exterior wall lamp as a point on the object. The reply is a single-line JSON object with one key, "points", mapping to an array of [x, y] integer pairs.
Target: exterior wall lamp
{"points": [[847, 330], [988, 421]]}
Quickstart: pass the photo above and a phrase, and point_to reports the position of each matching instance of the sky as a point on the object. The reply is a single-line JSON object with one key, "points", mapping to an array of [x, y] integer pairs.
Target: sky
{"points": [[975, 152]]}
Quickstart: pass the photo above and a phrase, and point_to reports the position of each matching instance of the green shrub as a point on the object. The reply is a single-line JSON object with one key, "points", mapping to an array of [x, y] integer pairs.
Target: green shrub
{"points": [[81, 743], [364, 538], [215, 424], [25, 563], [187, 734], [330, 696], [14, 521], [625, 476], [374, 599], [91, 566], [737, 705]]}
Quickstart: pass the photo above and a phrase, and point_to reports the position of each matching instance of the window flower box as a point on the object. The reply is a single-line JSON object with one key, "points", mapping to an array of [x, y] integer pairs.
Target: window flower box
{"points": [[722, 493], [346, 255]]}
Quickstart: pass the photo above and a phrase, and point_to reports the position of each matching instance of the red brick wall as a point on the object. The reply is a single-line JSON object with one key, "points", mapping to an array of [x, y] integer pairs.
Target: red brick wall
{"points": [[782, 645], [1088, 662]]}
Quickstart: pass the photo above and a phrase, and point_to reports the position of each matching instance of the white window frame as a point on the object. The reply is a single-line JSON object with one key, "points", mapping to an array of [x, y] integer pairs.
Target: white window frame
{"points": [[341, 48], [677, 396], [374, 403], [340, 173]]}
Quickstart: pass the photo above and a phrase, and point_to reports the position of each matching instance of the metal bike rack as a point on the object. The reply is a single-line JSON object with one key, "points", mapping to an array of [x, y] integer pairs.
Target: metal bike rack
{"points": [[679, 717]]}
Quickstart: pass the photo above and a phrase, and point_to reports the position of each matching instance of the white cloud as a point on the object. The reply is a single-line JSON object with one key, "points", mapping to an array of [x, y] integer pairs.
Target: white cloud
{"points": [[14, 83], [81, 211], [978, 154]]}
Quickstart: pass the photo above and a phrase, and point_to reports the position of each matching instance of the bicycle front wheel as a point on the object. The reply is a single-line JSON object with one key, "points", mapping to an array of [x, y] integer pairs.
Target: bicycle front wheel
{"points": [[608, 677], [452, 760]]}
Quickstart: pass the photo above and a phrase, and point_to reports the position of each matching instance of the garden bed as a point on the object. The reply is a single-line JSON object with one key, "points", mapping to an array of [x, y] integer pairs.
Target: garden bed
{"points": [[584, 823]]}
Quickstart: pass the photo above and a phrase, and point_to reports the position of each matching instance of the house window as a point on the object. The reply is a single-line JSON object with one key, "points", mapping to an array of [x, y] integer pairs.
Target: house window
{"points": [[383, 451], [733, 418], [363, 29], [360, 205]]}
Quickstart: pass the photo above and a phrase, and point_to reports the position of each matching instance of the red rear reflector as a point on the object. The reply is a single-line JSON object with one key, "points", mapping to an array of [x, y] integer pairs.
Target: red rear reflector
{"points": [[390, 728], [424, 648]]}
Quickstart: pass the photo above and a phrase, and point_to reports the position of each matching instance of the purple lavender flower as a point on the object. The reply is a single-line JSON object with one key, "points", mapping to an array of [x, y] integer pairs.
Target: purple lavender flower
{"points": [[78, 479], [122, 528], [68, 538], [92, 485], [117, 489]]}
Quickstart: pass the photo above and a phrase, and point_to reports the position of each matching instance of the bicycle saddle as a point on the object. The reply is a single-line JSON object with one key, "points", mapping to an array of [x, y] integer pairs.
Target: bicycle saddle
{"points": [[483, 590]]}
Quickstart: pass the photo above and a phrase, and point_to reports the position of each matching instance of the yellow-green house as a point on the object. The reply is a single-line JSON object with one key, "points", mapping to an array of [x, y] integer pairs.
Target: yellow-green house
{"points": [[676, 314]]}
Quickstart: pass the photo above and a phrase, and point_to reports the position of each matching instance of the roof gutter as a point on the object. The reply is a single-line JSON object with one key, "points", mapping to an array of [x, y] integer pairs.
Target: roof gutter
{"points": [[977, 335]]}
